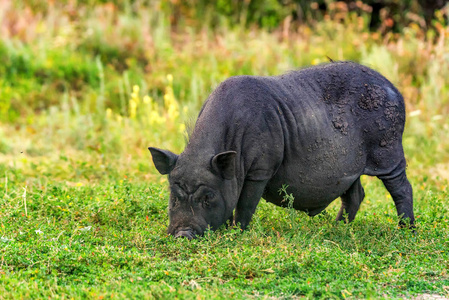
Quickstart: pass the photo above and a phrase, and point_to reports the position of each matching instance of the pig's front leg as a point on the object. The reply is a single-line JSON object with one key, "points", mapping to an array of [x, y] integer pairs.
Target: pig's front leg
{"points": [[249, 198]]}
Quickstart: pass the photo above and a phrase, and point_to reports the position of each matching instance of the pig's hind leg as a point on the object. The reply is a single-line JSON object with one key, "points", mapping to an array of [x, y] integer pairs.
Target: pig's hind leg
{"points": [[386, 156], [350, 202], [401, 191]]}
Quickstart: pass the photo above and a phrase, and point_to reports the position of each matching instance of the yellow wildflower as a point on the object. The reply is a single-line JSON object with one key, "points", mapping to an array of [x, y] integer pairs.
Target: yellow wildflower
{"points": [[182, 128], [315, 61], [108, 113], [132, 109]]}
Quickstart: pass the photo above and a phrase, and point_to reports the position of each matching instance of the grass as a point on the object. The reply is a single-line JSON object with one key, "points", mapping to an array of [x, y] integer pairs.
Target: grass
{"points": [[84, 91], [108, 240]]}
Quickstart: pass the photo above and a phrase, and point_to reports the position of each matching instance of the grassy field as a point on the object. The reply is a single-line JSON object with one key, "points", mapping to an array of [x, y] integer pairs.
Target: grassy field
{"points": [[85, 89]]}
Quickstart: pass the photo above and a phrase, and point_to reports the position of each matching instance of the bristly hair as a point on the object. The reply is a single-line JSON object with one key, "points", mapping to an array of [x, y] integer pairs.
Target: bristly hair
{"points": [[330, 59], [190, 125]]}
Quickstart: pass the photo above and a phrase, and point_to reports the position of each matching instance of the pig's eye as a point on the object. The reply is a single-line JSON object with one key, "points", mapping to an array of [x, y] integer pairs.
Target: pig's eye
{"points": [[206, 199]]}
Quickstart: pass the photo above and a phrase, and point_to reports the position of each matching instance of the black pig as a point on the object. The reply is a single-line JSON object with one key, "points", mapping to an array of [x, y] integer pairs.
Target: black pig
{"points": [[316, 130]]}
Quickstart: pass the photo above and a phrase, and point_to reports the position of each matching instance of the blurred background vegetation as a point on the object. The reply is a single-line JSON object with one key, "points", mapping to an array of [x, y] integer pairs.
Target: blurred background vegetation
{"points": [[86, 86]]}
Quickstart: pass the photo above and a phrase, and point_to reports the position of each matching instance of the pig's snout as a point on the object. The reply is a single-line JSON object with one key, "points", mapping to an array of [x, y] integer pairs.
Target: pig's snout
{"points": [[187, 233]]}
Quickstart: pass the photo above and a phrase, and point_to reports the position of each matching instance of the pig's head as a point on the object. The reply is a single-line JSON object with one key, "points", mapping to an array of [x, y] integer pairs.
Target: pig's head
{"points": [[203, 190]]}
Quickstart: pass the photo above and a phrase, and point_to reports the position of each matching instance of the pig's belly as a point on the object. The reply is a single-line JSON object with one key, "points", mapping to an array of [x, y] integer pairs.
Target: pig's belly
{"points": [[313, 189]]}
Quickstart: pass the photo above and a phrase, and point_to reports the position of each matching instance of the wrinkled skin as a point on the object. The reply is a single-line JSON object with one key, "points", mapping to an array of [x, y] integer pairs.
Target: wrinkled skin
{"points": [[315, 130]]}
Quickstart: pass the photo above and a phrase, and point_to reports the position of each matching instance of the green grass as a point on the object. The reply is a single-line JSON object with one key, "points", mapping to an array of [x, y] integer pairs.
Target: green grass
{"points": [[109, 240], [86, 88]]}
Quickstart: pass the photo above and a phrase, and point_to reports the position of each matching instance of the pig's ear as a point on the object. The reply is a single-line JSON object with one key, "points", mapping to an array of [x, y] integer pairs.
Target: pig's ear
{"points": [[224, 164], [164, 160]]}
